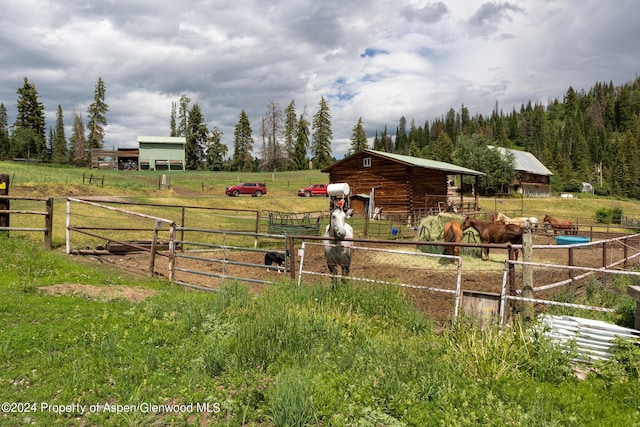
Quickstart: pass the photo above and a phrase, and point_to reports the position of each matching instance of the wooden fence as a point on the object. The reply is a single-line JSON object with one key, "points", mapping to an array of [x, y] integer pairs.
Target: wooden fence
{"points": [[6, 212]]}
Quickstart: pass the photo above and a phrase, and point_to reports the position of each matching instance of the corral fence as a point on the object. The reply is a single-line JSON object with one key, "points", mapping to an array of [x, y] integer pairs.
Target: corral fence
{"points": [[454, 290], [26, 207], [191, 253], [206, 257], [578, 275]]}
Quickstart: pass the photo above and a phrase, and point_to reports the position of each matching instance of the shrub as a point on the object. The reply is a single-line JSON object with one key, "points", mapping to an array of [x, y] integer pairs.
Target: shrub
{"points": [[573, 186], [616, 215], [604, 215], [602, 190]]}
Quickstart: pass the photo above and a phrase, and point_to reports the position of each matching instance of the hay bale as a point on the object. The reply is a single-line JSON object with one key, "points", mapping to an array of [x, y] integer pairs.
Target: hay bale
{"points": [[432, 227], [432, 230]]}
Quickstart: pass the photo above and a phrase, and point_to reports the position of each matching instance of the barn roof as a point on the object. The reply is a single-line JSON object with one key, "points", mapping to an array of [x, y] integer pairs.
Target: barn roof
{"points": [[414, 162], [525, 161]]}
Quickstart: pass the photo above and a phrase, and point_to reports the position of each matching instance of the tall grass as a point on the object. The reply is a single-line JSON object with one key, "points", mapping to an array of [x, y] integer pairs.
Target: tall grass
{"points": [[298, 355]]}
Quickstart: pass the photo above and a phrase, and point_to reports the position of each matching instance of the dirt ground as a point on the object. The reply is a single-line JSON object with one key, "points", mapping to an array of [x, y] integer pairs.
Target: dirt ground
{"points": [[418, 272], [106, 293]]}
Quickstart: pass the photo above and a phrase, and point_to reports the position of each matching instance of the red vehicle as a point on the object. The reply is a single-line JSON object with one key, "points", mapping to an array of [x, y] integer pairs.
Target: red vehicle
{"points": [[256, 189], [313, 190]]}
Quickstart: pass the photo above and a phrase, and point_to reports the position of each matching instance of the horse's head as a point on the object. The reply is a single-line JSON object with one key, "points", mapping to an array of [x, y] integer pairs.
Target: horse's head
{"points": [[337, 223], [547, 218], [467, 222]]}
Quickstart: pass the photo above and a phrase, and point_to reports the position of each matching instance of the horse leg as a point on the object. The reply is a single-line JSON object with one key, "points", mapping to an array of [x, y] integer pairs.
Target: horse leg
{"points": [[333, 269], [345, 273]]}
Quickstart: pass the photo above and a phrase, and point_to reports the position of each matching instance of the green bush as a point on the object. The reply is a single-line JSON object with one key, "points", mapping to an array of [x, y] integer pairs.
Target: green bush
{"points": [[602, 190], [604, 215], [573, 186], [616, 215]]}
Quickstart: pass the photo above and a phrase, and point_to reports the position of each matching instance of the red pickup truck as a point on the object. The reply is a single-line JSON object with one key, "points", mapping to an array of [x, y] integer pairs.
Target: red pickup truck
{"points": [[256, 189], [313, 190]]}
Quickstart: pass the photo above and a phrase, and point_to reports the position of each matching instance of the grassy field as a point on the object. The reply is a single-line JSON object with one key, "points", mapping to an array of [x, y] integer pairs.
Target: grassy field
{"points": [[129, 350]]}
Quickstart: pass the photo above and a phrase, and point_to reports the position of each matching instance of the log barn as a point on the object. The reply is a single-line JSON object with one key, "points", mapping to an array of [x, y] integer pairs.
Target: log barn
{"points": [[533, 179], [401, 185]]}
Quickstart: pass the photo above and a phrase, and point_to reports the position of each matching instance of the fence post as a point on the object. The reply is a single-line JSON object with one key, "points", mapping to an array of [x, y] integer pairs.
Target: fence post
{"points": [[154, 244], [4, 203], [604, 263], [527, 275], [48, 223]]}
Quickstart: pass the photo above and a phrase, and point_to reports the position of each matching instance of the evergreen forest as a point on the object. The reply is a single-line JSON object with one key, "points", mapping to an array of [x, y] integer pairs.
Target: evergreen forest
{"points": [[586, 136]]}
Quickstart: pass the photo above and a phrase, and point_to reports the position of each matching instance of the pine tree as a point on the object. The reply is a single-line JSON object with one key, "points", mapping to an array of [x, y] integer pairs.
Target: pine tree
{"points": [[290, 129], [442, 148], [4, 133], [183, 116], [243, 145], [29, 130], [78, 151], [172, 123], [97, 117], [301, 144], [59, 141], [216, 151], [197, 137], [321, 137], [358, 138]]}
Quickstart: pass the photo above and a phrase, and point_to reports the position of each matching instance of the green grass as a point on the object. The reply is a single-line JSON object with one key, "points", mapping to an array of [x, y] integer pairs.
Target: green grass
{"points": [[295, 356]]}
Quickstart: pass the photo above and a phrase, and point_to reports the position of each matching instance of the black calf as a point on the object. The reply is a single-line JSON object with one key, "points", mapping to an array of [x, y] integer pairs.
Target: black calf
{"points": [[277, 258]]}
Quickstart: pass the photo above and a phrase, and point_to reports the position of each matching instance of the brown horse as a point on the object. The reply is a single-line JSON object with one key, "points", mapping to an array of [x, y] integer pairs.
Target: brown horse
{"points": [[566, 226], [452, 233], [494, 233]]}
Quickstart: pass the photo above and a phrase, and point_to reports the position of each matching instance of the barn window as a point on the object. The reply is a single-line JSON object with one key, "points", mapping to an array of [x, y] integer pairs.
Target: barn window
{"points": [[366, 162]]}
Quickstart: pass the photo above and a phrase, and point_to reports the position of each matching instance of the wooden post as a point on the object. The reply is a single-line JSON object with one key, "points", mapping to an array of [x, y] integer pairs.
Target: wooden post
{"points": [[571, 265], [154, 244], [512, 272], [48, 223], [527, 275], [604, 263], [4, 203], [634, 291]]}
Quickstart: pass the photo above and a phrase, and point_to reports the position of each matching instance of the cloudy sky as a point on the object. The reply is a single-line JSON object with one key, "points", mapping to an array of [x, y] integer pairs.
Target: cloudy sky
{"points": [[379, 60]]}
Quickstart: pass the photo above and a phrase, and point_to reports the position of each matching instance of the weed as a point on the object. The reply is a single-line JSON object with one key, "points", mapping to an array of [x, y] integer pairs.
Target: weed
{"points": [[291, 401]]}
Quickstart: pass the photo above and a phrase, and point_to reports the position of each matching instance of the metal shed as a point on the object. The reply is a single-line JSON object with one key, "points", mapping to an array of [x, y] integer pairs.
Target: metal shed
{"points": [[161, 153]]}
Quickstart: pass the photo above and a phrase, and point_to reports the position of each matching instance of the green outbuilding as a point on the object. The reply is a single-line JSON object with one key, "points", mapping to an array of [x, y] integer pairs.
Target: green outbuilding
{"points": [[161, 152]]}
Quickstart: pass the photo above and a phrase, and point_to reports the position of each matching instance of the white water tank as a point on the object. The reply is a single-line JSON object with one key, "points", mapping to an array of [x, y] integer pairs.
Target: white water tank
{"points": [[340, 189]]}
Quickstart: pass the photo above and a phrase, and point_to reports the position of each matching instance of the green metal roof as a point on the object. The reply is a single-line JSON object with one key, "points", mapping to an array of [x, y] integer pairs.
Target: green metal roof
{"points": [[422, 163], [163, 139]]}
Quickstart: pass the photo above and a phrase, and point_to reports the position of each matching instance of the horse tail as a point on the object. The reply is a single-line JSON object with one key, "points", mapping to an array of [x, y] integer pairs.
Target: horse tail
{"points": [[452, 233]]}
